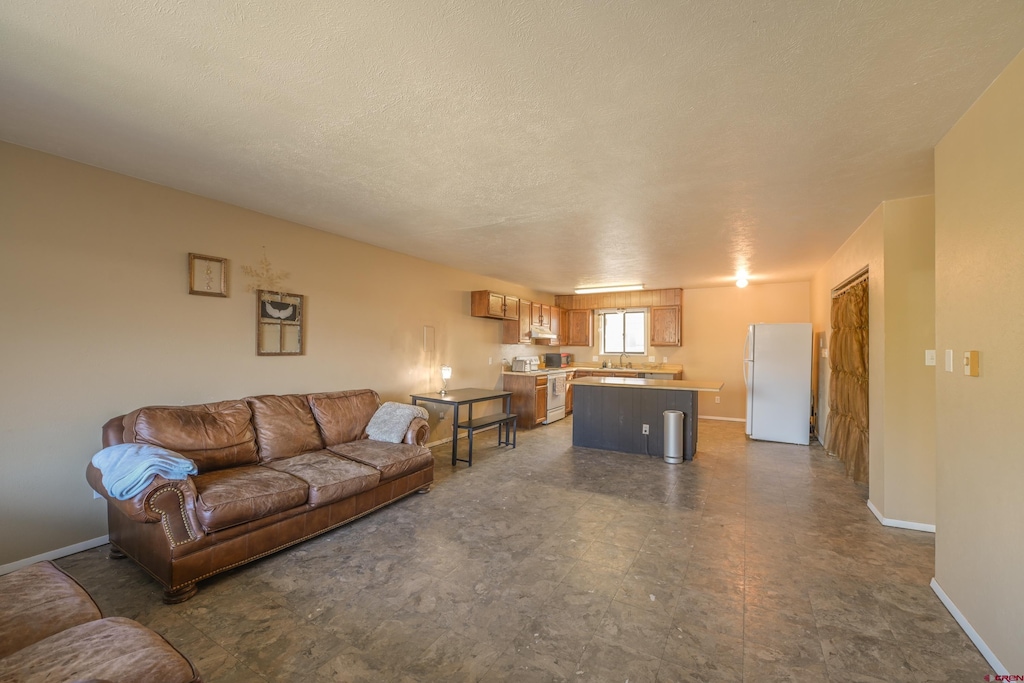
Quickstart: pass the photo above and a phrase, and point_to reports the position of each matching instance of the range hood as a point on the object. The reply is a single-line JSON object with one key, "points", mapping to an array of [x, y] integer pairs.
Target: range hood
{"points": [[541, 334]]}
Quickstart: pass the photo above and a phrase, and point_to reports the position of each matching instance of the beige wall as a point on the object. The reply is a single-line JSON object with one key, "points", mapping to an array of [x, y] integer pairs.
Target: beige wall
{"points": [[896, 244], [979, 269], [715, 323], [909, 383], [97, 321]]}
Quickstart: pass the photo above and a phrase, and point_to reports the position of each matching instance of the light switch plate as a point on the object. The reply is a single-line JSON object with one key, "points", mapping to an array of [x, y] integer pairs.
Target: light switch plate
{"points": [[929, 357], [971, 363], [824, 353], [949, 360]]}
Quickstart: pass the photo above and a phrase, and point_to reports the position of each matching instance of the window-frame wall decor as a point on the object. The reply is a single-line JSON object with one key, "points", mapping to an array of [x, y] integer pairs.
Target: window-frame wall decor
{"points": [[207, 275], [280, 324]]}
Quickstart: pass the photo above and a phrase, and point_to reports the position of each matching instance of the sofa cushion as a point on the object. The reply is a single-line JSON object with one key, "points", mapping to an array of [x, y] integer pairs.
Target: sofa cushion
{"points": [[114, 649], [329, 477], [284, 426], [242, 494], [213, 435], [343, 415], [38, 601], [391, 459]]}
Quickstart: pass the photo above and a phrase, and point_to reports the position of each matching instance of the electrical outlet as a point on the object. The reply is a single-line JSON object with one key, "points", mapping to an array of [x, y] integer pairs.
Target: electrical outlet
{"points": [[594, 358], [664, 359], [718, 399], [646, 429], [490, 360], [651, 358]]}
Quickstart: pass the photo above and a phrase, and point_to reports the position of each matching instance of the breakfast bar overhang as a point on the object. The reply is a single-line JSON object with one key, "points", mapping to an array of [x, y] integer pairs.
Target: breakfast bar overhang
{"points": [[610, 412]]}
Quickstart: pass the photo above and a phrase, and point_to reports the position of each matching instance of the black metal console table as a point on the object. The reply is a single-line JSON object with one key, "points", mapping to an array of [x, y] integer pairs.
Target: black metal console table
{"points": [[467, 397]]}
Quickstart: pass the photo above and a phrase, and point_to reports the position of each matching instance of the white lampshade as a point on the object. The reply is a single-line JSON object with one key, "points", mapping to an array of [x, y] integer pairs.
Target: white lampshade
{"points": [[446, 372]]}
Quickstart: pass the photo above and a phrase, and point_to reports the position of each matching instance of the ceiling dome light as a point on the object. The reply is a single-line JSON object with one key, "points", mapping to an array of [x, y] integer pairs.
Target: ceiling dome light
{"points": [[742, 282]]}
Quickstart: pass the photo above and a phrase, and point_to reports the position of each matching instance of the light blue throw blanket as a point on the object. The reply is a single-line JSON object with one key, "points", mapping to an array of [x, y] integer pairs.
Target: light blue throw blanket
{"points": [[392, 420], [128, 468]]}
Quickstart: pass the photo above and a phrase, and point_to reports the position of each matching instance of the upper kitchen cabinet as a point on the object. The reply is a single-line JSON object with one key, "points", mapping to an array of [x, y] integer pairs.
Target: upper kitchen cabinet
{"points": [[666, 325], [486, 304], [518, 331], [555, 324], [579, 327], [541, 314]]}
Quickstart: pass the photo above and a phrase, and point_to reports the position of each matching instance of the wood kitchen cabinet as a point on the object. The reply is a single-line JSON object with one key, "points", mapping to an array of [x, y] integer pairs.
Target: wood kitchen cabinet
{"points": [[487, 304], [541, 314], [518, 331], [580, 324], [569, 377], [556, 325], [529, 398], [666, 326]]}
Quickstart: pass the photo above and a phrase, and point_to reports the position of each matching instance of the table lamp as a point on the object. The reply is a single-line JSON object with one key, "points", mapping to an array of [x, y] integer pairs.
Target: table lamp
{"points": [[446, 374]]}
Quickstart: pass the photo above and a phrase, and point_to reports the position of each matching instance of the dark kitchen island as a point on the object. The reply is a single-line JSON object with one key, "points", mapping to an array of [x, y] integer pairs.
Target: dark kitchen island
{"points": [[609, 412]]}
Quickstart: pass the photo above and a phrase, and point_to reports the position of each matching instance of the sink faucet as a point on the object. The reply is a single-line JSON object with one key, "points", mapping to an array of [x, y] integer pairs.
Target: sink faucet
{"points": [[622, 363]]}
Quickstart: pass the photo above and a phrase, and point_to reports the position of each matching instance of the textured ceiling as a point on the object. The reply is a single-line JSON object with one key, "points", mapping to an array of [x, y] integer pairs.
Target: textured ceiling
{"points": [[554, 144]]}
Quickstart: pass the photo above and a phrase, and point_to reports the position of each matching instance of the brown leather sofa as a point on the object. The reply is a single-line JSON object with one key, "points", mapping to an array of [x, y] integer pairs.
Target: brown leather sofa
{"points": [[273, 471], [51, 630]]}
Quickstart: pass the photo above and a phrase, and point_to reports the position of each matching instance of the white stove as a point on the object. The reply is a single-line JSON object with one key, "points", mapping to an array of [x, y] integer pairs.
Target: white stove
{"points": [[557, 378], [556, 395]]}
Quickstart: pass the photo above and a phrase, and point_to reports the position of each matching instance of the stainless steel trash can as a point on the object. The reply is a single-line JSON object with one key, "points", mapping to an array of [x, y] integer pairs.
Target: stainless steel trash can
{"points": [[673, 436]]}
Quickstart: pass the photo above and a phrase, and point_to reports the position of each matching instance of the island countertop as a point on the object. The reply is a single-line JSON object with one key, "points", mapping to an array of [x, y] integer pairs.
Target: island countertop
{"points": [[640, 383]]}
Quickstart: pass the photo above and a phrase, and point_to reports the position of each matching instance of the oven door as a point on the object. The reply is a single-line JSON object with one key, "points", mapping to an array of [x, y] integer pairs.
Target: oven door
{"points": [[556, 397]]}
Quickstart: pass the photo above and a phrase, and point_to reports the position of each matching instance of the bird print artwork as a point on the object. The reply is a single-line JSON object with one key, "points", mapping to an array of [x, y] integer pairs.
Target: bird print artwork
{"points": [[279, 310]]}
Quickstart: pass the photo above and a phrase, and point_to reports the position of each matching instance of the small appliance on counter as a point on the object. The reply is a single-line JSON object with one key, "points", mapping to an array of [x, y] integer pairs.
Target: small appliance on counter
{"points": [[557, 360], [526, 364]]}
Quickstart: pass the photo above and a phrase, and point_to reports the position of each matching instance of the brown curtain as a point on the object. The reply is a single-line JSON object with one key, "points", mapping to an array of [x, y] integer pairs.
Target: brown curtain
{"points": [[846, 435]]}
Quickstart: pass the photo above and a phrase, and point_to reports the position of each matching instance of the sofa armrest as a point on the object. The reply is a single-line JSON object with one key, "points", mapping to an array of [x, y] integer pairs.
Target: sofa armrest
{"points": [[172, 503], [418, 433]]}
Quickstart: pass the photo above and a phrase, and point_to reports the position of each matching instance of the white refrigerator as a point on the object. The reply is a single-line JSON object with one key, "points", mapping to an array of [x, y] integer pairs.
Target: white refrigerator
{"points": [[777, 372]]}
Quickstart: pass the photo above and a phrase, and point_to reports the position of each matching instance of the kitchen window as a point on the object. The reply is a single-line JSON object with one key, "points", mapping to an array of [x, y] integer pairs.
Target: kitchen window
{"points": [[624, 331]]}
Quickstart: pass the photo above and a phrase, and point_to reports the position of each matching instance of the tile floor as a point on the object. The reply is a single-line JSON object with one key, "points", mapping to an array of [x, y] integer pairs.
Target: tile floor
{"points": [[755, 562]]}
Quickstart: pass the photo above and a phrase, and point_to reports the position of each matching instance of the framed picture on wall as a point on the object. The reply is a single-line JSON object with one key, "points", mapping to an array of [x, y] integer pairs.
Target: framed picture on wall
{"points": [[280, 326], [207, 275]]}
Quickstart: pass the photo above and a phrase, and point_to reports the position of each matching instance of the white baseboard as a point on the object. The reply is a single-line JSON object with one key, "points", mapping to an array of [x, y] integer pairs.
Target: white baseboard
{"points": [[55, 554], [723, 419], [899, 523], [987, 653]]}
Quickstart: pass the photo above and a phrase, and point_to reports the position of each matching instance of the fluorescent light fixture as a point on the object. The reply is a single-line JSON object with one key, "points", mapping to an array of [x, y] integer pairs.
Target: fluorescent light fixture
{"points": [[604, 290], [742, 282]]}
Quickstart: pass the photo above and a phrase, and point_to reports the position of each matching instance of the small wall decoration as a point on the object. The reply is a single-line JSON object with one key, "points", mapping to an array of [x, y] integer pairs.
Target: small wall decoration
{"points": [[264, 276], [280, 327], [207, 275]]}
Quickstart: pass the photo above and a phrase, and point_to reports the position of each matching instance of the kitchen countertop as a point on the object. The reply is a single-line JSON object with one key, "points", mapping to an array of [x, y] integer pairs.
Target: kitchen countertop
{"points": [[639, 383], [533, 373], [544, 371]]}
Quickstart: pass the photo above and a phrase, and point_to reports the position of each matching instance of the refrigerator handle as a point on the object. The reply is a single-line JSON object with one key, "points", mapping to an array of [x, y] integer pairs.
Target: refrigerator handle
{"points": [[746, 345], [746, 372]]}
